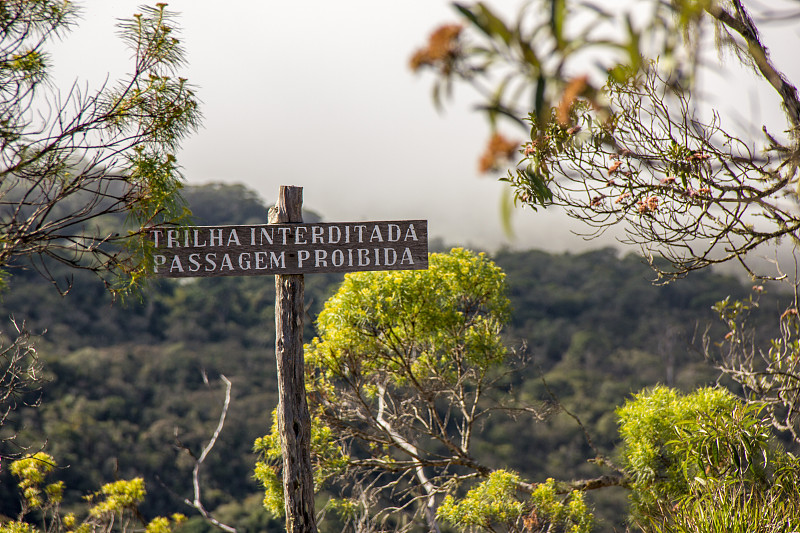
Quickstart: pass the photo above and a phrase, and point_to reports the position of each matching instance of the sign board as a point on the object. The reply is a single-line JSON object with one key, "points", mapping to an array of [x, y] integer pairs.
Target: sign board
{"points": [[304, 248]]}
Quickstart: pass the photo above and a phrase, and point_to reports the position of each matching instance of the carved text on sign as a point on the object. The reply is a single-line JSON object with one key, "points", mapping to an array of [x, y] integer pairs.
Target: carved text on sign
{"points": [[203, 251]]}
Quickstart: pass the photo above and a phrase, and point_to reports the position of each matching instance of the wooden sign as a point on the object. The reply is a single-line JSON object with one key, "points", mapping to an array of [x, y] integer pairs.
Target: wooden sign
{"points": [[304, 248], [289, 248]]}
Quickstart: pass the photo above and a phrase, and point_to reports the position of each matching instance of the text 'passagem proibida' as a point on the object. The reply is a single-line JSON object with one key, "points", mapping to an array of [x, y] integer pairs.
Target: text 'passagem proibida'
{"points": [[204, 251]]}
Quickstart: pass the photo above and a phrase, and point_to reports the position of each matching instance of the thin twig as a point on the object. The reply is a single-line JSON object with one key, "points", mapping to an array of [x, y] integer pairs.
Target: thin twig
{"points": [[569, 413], [197, 503]]}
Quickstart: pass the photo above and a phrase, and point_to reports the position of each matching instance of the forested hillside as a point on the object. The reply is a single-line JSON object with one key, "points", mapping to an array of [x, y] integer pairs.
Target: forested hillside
{"points": [[131, 383]]}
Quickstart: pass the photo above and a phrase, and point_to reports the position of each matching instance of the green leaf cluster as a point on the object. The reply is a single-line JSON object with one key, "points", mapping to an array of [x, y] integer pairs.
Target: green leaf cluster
{"points": [[687, 453], [328, 460], [26, 25], [112, 508], [495, 505], [554, 512], [414, 325], [494, 501], [99, 155], [651, 425], [31, 472], [117, 497]]}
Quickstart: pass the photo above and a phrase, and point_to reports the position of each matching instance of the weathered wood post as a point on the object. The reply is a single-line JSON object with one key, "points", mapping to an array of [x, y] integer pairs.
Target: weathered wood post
{"points": [[294, 422], [288, 248]]}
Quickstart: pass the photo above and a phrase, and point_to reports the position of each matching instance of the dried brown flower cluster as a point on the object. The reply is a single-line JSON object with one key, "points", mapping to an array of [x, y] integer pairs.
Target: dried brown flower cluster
{"points": [[648, 205], [441, 50], [614, 167], [499, 150], [572, 91]]}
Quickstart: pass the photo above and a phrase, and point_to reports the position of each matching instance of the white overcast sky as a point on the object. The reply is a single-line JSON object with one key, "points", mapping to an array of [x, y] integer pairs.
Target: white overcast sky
{"points": [[317, 93]]}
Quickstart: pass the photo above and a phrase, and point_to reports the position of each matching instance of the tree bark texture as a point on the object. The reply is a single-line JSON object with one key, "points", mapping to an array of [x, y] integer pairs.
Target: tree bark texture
{"points": [[294, 422]]}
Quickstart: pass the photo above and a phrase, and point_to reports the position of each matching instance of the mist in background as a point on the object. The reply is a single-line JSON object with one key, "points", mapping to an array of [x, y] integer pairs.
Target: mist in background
{"points": [[319, 94]]}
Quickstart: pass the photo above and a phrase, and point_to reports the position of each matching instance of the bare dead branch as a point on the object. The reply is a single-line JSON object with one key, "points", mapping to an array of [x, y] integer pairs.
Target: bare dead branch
{"points": [[196, 502]]}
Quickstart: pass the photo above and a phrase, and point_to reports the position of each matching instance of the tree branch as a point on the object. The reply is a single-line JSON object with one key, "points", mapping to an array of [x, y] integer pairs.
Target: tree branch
{"points": [[744, 26], [430, 490], [197, 503]]}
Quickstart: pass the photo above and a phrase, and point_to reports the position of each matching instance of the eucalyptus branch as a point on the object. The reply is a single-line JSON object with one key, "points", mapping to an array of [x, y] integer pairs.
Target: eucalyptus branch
{"points": [[83, 158]]}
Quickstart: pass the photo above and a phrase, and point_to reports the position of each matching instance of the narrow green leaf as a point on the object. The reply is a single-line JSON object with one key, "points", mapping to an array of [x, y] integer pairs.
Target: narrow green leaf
{"points": [[529, 55], [486, 21], [558, 12], [539, 105], [466, 12], [506, 212], [495, 25]]}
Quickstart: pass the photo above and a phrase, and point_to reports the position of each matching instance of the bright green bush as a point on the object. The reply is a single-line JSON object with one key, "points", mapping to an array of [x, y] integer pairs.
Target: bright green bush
{"points": [[447, 315], [706, 461], [328, 457], [652, 426], [496, 505], [114, 508]]}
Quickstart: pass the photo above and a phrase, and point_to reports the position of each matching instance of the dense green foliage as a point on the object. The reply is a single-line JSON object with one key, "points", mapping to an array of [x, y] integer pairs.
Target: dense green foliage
{"points": [[395, 381], [495, 505], [124, 377], [706, 461], [451, 312]]}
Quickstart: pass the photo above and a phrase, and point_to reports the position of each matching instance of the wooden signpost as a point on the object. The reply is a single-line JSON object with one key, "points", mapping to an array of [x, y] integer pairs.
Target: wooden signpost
{"points": [[297, 248], [288, 248]]}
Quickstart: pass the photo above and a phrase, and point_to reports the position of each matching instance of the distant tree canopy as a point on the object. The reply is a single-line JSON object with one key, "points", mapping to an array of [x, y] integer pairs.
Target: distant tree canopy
{"points": [[229, 204], [122, 378]]}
